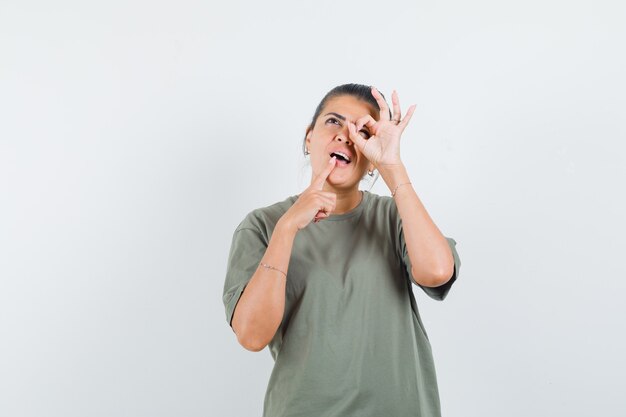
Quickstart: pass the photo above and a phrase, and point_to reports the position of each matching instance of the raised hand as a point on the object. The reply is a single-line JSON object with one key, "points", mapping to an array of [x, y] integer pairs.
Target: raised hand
{"points": [[313, 203], [383, 146]]}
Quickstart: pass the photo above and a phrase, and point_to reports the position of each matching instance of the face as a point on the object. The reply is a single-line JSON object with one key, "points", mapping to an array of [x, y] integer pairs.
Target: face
{"points": [[330, 133]]}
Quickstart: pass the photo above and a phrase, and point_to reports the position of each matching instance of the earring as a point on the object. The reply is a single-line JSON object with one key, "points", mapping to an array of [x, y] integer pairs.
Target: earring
{"points": [[306, 152], [370, 173]]}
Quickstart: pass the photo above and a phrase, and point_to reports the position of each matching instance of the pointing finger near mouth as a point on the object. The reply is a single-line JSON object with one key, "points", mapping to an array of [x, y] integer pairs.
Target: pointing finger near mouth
{"points": [[319, 181]]}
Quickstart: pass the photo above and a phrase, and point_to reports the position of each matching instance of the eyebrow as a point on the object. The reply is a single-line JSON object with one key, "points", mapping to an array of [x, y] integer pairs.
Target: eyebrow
{"points": [[343, 118], [336, 114]]}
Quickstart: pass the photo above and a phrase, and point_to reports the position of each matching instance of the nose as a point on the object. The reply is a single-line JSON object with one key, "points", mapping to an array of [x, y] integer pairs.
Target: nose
{"points": [[341, 137]]}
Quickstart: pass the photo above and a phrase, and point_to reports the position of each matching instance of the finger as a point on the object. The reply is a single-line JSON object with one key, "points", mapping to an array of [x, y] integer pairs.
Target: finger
{"points": [[384, 109], [407, 117], [368, 121], [328, 196], [319, 181], [358, 140], [327, 204], [395, 101], [320, 216]]}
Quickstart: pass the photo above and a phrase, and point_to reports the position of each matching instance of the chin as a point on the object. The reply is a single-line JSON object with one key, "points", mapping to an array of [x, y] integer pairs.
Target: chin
{"points": [[343, 182]]}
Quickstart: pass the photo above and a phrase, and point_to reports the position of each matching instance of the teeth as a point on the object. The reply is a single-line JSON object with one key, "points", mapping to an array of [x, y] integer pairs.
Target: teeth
{"points": [[344, 155]]}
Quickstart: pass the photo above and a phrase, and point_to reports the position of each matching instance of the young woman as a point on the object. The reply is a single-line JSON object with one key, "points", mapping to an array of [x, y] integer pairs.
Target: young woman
{"points": [[325, 278]]}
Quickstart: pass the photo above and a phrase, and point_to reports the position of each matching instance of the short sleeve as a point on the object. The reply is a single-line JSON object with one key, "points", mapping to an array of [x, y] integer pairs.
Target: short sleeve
{"points": [[437, 293], [246, 251]]}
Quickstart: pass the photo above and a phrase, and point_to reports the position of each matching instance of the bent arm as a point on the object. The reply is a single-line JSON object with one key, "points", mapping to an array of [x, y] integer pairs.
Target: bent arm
{"points": [[260, 309], [432, 262]]}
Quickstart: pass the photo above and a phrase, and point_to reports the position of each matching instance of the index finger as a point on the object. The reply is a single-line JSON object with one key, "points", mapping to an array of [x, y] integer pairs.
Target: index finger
{"points": [[320, 179], [384, 109], [368, 121]]}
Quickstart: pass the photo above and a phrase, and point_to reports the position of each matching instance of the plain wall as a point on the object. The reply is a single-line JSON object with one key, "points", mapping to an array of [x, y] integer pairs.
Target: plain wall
{"points": [[136, 135]]}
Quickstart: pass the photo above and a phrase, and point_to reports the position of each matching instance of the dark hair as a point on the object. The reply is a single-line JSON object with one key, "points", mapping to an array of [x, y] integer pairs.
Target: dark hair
{"points": [[359, 91]]}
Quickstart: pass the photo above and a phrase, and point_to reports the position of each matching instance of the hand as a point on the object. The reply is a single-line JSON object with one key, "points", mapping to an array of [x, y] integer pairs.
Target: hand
{"points": [[383, 146], [313, 204]]}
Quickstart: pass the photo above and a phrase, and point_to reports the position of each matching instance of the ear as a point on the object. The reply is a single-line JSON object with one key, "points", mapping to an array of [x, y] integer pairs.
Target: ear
{"points": [[307, 134], [370, 167]]}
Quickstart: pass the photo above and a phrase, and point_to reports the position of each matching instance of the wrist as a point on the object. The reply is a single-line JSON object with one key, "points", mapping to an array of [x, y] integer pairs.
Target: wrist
{"points": [[394, 176], [284, 227]]}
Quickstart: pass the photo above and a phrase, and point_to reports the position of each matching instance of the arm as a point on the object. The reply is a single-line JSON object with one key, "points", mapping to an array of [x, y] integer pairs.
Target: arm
{"points": [[431, 258], [432, 261], [261, 306]]}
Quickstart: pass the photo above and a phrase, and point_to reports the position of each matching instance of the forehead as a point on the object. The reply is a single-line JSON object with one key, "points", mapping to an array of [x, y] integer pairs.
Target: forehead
{"points": [[350, 107]]}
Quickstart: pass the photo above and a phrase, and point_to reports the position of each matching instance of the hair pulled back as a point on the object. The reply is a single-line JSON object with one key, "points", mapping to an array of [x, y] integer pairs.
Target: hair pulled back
{"points": [[358, 91]]}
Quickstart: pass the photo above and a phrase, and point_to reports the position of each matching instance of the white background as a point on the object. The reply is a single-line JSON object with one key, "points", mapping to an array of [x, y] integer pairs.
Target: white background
{"points": [[136, 135]]}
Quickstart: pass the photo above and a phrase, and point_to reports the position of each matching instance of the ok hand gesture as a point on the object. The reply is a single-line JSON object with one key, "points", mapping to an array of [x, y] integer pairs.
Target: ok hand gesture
{"points": [[383, 146]]}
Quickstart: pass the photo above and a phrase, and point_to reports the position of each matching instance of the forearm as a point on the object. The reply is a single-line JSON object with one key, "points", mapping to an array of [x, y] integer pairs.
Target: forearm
{"points": [[262, 304], [428, 249]]}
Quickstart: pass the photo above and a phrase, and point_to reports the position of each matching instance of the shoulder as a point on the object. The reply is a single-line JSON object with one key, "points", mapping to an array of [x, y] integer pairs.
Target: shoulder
{"points": [[381, 206], [263, 219], [380, 202]]}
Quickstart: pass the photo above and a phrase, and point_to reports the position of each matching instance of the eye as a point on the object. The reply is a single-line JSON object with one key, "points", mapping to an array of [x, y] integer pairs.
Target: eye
{"points": [[333, 120], [365, 133]]}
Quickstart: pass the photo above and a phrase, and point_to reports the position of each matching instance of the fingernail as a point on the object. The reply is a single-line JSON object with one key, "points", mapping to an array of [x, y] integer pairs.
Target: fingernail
{"points": [[332, 159]]}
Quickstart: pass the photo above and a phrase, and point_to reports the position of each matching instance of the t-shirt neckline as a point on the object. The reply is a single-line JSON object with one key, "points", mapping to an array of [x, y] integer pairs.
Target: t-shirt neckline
{"points": [[355, 211]]}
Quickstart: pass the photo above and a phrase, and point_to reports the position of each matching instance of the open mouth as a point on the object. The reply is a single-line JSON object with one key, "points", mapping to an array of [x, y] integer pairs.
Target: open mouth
{"points": [[342, 158]]}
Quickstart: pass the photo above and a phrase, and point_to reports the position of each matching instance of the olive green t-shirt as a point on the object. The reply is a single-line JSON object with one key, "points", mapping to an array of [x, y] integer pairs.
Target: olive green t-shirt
{"points": [[351, 342]]}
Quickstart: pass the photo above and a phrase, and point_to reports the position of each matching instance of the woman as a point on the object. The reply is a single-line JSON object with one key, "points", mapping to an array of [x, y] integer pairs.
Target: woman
{"points": [[328, 273]]}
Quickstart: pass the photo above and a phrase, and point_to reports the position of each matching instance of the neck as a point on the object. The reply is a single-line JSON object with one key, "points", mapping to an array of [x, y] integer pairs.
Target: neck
{"points": [[346, 199]]}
